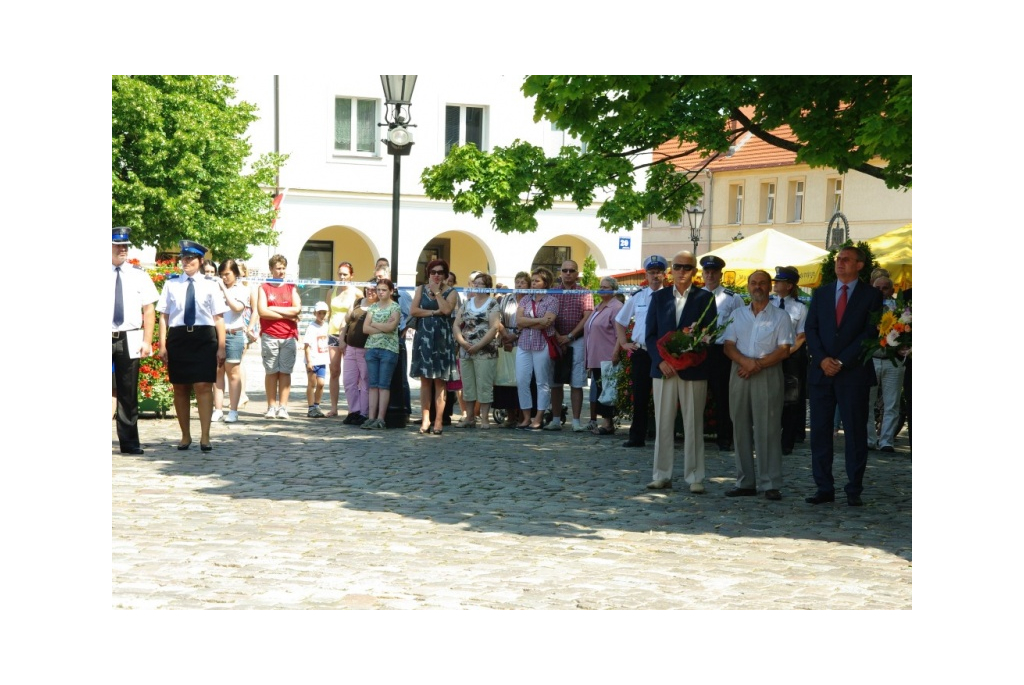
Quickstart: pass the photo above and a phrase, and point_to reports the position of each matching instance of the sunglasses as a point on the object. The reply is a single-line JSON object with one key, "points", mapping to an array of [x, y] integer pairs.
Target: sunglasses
{"points": [[435, 272], [683, 267], [568, 271]]}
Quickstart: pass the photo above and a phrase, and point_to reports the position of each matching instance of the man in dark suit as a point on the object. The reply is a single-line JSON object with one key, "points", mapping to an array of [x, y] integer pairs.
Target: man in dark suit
{"points": [[672, 309], [838, 321]]}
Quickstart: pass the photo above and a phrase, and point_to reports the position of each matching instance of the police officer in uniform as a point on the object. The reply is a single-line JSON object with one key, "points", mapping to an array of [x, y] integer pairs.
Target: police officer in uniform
{"points": [[794, 369], [636, 309], [131, 336], [721, 366]]}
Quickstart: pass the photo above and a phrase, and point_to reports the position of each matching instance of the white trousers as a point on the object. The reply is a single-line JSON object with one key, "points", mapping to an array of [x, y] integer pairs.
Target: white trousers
{"points": [[529, 364], [688, 397], [890, 381]]}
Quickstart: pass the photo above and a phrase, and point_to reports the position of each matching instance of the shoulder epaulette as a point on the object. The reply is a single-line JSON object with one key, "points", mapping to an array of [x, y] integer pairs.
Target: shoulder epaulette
{"points": [[728, 292]]}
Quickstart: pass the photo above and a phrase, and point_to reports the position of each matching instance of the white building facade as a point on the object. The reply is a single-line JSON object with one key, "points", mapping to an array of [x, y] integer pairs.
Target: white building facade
{"points": [[337, 185]]}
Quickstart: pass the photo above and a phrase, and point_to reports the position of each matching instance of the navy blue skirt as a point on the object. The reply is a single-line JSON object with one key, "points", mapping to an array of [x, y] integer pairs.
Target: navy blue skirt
{"points": [[192, 356]]}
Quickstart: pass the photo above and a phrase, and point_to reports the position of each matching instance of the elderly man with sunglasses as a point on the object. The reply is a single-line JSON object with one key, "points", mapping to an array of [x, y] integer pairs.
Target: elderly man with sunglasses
{"points": [[671, 309], [573, 312]]}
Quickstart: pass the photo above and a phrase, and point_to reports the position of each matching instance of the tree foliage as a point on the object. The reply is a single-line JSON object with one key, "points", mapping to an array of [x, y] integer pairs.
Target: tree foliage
{"points": [[828, 263], [177, 151], [860, 123]]}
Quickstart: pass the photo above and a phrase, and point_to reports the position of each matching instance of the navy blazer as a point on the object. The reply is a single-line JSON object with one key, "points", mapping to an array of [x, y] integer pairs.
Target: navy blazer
{"points": [[661, 318], [844, 344]]}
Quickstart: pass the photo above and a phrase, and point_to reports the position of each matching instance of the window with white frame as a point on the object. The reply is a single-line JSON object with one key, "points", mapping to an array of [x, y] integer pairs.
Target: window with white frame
{"points": [[463, 124], [795, 210], [355, 126], [767, 215], [835, 196], [736, 204]]}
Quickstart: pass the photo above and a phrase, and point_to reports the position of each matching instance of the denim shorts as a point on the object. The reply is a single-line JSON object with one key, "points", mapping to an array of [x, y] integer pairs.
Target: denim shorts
{"points": [[380, 365], [234, 345]]}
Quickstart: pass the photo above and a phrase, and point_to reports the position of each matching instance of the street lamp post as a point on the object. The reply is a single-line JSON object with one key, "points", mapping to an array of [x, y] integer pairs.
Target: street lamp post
{"points": [[398, 101], [397, 95], [696, 217]]}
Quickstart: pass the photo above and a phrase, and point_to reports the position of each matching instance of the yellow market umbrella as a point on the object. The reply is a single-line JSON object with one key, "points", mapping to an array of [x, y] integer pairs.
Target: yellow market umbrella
{"points": [[766, 250], [892, 251]]}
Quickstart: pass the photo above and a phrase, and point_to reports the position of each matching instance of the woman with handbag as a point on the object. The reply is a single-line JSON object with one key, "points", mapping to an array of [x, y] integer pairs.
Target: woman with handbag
{"points": [[476, 331], [535, 317], [506, 390], [601, 345], [356, 379], [342, 301]]}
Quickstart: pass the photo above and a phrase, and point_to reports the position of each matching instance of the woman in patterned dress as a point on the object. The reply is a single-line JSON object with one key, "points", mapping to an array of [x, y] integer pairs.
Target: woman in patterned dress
{"points": [[433, 348]]}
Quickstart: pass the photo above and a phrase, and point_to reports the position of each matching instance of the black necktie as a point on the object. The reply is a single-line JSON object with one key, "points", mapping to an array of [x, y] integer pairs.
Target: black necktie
{"points": [[118, 300], [782, 303], [190, 304]]}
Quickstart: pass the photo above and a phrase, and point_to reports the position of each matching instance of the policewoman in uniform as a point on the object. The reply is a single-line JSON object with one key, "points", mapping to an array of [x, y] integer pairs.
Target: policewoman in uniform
{"points": [[192, 340], [794, 367], [131, 336]]}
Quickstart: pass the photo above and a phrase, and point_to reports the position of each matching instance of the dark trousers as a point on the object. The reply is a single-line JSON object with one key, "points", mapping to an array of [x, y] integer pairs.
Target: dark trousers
{"points": [[640, 373], [907, 394], [794, 414], [718, 384], [853, 408], [126, 382]]}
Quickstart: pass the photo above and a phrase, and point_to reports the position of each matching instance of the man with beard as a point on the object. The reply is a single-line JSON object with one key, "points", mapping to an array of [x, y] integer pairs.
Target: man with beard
{"points": [[757, 341]]}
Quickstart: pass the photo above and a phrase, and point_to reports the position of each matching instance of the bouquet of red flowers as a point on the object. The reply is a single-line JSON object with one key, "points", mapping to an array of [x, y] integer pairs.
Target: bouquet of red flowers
{"points": [[689, 346]]}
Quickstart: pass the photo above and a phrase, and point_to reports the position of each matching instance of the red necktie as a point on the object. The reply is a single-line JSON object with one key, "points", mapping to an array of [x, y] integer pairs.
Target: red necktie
{"points": [[841, 305]]}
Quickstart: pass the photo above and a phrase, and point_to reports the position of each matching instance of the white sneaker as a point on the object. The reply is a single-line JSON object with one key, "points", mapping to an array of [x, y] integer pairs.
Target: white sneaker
{"points": [[271, 413], [217, 415], [578, 428], [282, 413], [553, 426], [232, 416]]}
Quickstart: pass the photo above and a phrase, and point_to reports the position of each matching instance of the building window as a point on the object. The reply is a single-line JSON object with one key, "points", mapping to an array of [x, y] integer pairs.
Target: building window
{"points": [[647, 221], [767, 203], [736, 204], [463, 125], [355, 126], [551, 258], [835, 196], [796, 201]]}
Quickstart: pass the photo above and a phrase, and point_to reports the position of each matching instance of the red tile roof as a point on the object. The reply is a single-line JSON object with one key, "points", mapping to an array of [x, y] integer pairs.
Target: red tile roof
{"points": [[751, 153]]}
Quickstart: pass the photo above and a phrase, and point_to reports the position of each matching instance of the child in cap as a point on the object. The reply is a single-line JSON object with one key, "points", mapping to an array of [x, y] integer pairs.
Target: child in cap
{"points": [[317, 357]]}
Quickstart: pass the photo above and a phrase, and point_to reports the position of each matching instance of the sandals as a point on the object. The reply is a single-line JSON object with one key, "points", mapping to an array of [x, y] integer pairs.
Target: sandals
{"points": [[426, 431], [604, 430]]}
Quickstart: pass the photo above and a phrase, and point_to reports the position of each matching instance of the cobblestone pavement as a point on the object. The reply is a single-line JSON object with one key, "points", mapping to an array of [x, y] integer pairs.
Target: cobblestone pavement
{"points": [[311, 513]]}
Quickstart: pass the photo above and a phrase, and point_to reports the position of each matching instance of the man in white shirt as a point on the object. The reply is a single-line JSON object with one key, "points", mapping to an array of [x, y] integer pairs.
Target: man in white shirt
{"points": [[131, 337], [640, 368], [757, 341]]}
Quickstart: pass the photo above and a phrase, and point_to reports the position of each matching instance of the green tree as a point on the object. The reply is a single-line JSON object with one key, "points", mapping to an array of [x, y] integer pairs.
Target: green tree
{"points": [[588, 277], [178, 149], [861, 123], [828, 263]]}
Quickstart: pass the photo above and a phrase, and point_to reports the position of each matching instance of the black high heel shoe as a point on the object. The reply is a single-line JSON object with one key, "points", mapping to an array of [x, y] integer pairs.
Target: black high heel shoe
{"points": [[185, 446], [205, 448]]}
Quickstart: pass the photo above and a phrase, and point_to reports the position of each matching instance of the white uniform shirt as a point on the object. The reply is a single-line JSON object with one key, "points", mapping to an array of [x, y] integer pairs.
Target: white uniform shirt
{"points": [[758, 336], [636, 308], [727, 302], [137, 290], [209, 300], [797, 311]]}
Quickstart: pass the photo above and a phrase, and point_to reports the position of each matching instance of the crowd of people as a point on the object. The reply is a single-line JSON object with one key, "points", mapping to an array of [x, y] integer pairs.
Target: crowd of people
{"points": [[516, 351]]}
